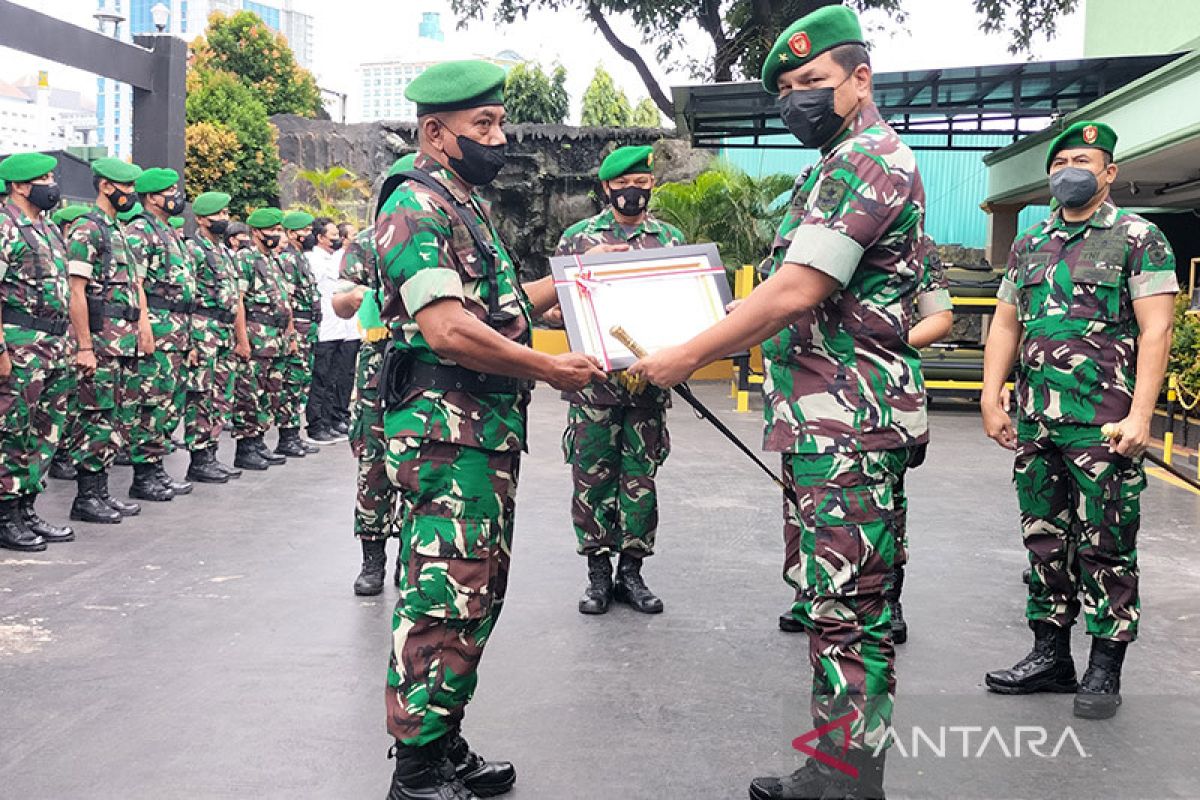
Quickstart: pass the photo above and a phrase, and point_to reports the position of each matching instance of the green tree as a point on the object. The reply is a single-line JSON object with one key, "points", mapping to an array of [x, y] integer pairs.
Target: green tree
{"points": [[646, 115], [724, 205], [742, 31], [532, 95], [1185, 347], [219, 106], [244, 46], [604, 104], [337, 192]]}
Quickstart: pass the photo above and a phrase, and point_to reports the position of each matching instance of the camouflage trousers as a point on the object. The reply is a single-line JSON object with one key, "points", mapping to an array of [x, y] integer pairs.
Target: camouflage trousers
{"points": [[841, 545], [209, 396], [375, 501], [1080, 513], [614, 453], [257, 395], [297, 378], [161, 386], [102, 412], [33, 413], [455, 545]]}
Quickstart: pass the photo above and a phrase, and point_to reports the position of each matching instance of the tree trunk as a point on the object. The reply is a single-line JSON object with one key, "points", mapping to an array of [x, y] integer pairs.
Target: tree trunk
{"points": [[657, 93]]}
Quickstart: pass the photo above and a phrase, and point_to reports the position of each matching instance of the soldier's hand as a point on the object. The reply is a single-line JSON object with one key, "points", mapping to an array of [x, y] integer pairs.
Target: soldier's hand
{"points": [[605, 248], [5, 366], [193, 359], [1132, 438], [570, 372], [145, 342], [998, 425], [85, 360], [1006, 399], [554, 317], [242, 350], [293, 346], [668, 367]]}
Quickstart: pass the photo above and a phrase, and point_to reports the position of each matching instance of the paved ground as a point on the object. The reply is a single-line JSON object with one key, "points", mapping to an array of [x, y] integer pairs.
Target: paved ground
{"points": [[211, 648]]}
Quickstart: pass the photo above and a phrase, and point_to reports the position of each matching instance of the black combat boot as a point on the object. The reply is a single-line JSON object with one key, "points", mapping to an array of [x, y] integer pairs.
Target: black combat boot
{"points": [[203, 468], [1047, 668], [374, 568], [289, 444], [51, 533], [789, 624], [263, 451], [1100, 690], [816, 781], [631, 589], [891, 593], [146, 485], [248, 456], [61, 468], [177, 487], [14, 533], [232, 472], [599, 591], [90, 504], [424, 773], [120, 506], [484, 778]]}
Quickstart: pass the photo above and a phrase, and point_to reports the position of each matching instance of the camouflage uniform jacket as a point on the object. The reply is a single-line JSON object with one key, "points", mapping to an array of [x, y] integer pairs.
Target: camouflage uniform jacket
{"points": [[302, 288], [360, 267], [426, 254], [604, 229], [216, 288], [167, 275], [264, 291], [843, 377], [33, 280], [933, 296], [1073, 285], [98, 250]]}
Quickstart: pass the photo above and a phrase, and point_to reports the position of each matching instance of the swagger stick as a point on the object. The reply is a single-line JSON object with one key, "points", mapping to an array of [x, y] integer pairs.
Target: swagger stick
{"points": [[1113, 433], [622, 336]]}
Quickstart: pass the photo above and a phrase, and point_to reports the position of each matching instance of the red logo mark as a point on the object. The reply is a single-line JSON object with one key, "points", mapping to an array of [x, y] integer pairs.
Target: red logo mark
{"points": [[1090, 134], [801, 743], [800, 45]]}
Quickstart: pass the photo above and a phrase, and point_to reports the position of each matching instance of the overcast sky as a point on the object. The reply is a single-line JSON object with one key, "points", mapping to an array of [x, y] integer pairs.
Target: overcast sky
{"points": [[943, 33]]}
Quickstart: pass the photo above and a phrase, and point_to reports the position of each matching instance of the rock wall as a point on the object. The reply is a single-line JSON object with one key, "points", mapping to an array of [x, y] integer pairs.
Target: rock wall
{"points": [[548, 184]]}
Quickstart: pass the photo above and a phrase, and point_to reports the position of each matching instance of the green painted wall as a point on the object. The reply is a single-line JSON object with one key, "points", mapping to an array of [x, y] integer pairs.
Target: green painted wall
{"points": [[1140, 27]]}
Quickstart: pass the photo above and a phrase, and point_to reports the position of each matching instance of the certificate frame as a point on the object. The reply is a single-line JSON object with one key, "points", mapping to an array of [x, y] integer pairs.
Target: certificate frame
{"points": [[661, 296]]}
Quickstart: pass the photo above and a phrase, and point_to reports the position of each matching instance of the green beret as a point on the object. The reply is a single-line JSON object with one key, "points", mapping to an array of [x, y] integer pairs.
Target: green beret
{"points": [[455, 85], [403, 164], [3, 188], [21, 167], [156, 179], [69, 214], [265, 218], [175, 222], [807, 38], [1083, 134], [126, 216], [210, 203], [116, 170], [627, 161], [295, 220]]}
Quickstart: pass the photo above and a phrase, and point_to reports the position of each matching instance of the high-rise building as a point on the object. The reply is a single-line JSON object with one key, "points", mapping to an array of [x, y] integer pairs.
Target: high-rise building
{"points": [[33, 116], [382, 83], [188, 19]]}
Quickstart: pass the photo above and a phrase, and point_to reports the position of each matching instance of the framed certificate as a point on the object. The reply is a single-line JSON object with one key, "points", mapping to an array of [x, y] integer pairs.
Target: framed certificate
{"points": [[662, 296]]}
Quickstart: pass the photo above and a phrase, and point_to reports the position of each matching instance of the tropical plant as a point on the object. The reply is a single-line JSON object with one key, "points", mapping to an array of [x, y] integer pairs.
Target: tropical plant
{"points": [[1185, 347], [646, 115], [336, 192], [532, 95], [724, 205], [604, 104]]}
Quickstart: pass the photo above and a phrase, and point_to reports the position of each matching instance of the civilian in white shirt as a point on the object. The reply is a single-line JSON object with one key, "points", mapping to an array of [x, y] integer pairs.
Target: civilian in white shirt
{"points": [[347, 354], [326, 261]]}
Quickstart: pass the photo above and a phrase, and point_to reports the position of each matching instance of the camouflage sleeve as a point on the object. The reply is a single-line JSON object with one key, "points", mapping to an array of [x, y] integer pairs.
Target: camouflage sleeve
{"points": [[413, 238], [1153, 264], [244, 267], [853, 203], [933, 295], [354, 265], [83, 248], [566, 246], [138, 235], [1007, 293], [10, 246]]}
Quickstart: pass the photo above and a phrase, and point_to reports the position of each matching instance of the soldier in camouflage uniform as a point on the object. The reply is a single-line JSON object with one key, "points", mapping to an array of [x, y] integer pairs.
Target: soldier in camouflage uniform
{"points": [[218, 336], [258, 390], [306, 315], [616, 436], [108, 317], [844, 397], [33, 347], [455, 435], [169, 283], [1088, 304]]}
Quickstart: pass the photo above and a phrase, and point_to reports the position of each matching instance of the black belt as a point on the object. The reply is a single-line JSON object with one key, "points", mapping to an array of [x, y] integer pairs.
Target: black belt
{"points": [[56, 326], [177, 306], [115, 310], [263, 318], [441, 377], [309, 316], [219, 314]]}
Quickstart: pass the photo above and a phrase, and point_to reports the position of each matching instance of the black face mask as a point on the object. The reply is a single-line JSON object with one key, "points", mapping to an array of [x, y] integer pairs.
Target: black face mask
{"points": [[173, 205], [121, 201], [630, 201], [1074, 187], [217, 227], [810, 115], [270, 240], [309, 242], [44, 196], [242, 243], [335, 245], [480, 163]]}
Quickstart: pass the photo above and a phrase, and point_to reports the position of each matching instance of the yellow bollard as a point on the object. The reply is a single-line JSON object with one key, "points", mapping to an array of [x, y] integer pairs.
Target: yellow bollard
{"points": [[1169, 436]]}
